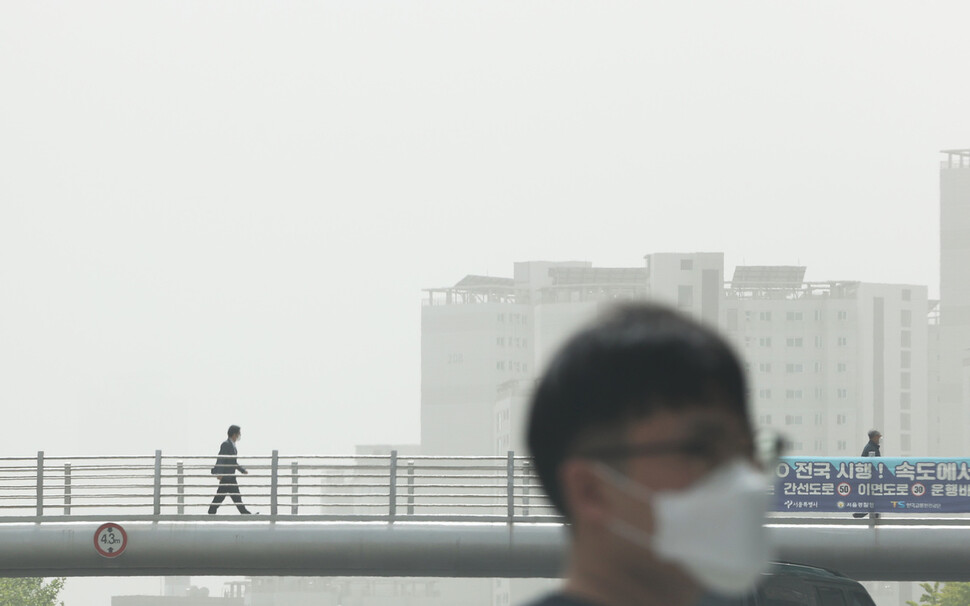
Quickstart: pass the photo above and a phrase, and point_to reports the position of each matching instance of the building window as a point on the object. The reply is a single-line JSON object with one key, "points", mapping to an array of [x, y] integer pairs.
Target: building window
{"points": [[818, 418], [904, 422], [685, 296], [818, 315], [793, 419], [842, 393], [501, 317], [764, 420], [840, 445], [905, 339], [907, 294], [840, 367], [904, 359], [843, 341], [818, 341], [793, 341], [905, 400], [764, 366], [793, 394], [904, 380], [793, 368], [500, 341], [764, 394], [818, 367], [905, 443], [906, 318], [765, 316], [841, 419], [793, 316], [764, 341], [819, 393], [687, 264], [843, 315], [500, 366], [748, 316]]}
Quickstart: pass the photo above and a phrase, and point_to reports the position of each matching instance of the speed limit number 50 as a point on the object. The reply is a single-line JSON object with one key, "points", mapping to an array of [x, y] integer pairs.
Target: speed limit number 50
{"points": [[110, 540]]}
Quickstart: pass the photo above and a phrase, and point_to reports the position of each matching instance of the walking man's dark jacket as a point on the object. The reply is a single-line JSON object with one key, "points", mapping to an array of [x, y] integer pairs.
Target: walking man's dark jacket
{"points": [[226, 464], [871, 450]]}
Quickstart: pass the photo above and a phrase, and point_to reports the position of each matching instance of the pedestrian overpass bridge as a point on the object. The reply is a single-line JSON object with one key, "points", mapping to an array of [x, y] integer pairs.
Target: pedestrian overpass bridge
{"points": [[370, 516]]}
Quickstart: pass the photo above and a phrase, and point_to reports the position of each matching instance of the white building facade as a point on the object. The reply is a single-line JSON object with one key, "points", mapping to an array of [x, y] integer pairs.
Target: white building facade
{"points": [[829, 361], [951, 402], [826, 361]]}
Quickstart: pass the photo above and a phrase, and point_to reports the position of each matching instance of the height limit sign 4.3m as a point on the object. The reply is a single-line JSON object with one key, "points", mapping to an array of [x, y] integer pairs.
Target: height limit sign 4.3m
{"points": [[110, 540]]}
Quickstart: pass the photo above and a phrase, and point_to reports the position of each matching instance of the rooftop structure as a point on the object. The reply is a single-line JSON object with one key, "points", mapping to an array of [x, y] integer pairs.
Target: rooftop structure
{"points": [[474, 289], [956, 158], [768, 276]]}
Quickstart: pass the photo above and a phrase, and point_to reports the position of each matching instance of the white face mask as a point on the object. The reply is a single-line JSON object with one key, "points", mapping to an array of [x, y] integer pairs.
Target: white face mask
{"points": [[714, 529]]}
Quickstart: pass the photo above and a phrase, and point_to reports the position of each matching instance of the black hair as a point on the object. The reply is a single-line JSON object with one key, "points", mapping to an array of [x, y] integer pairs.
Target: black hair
{"points": [[233, 430], [636, 359]]}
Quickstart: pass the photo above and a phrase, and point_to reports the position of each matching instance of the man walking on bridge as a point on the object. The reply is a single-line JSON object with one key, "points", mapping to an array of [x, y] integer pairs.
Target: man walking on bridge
{"points": [[225, 468], [871, 449], [640, 434]]}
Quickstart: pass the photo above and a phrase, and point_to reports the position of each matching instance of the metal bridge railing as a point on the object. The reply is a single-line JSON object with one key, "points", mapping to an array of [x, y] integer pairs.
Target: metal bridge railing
{"points": [[369, 487]]}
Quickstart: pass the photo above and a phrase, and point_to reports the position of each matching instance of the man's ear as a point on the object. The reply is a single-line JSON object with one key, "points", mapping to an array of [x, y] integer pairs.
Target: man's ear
{"points": [[586, 495]]}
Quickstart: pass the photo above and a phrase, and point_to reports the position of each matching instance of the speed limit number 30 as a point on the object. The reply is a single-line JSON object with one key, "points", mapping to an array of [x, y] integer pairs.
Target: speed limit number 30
{"points": [[110, 540]]}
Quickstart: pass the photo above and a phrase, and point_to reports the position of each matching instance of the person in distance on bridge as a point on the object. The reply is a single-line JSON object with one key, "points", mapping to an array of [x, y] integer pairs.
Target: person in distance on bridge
{"points": [[871, 449], [225, 468], [640, 435]]}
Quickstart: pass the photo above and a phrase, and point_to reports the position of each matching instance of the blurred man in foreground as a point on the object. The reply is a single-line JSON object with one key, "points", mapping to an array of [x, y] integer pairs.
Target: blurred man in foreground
{"points": [[640, 434]]}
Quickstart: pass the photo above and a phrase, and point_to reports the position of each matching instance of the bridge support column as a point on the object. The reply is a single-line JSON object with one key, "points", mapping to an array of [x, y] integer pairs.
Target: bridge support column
{"points": [[294, 483], [67, 489], [40, 483], [274, 483], [157, 497]]}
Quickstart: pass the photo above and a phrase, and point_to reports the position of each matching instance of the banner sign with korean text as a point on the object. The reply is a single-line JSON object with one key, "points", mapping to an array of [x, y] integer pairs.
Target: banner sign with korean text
{"points": [[872, 484]]}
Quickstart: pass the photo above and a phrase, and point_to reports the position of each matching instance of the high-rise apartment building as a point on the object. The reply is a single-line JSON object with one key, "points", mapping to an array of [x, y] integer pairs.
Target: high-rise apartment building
{"points": [[485, 339], [827, 361], [949, 413], [475, 336]]}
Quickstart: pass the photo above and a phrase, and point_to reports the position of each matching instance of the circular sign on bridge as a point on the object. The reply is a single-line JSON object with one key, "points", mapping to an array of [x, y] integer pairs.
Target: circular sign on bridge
{"points": [[110, 540]]}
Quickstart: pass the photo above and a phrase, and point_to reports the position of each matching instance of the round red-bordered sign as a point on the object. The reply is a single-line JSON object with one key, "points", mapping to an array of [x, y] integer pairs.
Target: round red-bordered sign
{"points": [[110, 540]]}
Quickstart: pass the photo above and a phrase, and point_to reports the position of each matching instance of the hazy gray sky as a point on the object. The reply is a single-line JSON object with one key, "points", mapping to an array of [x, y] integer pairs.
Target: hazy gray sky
{"points": [[218, 212]]}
